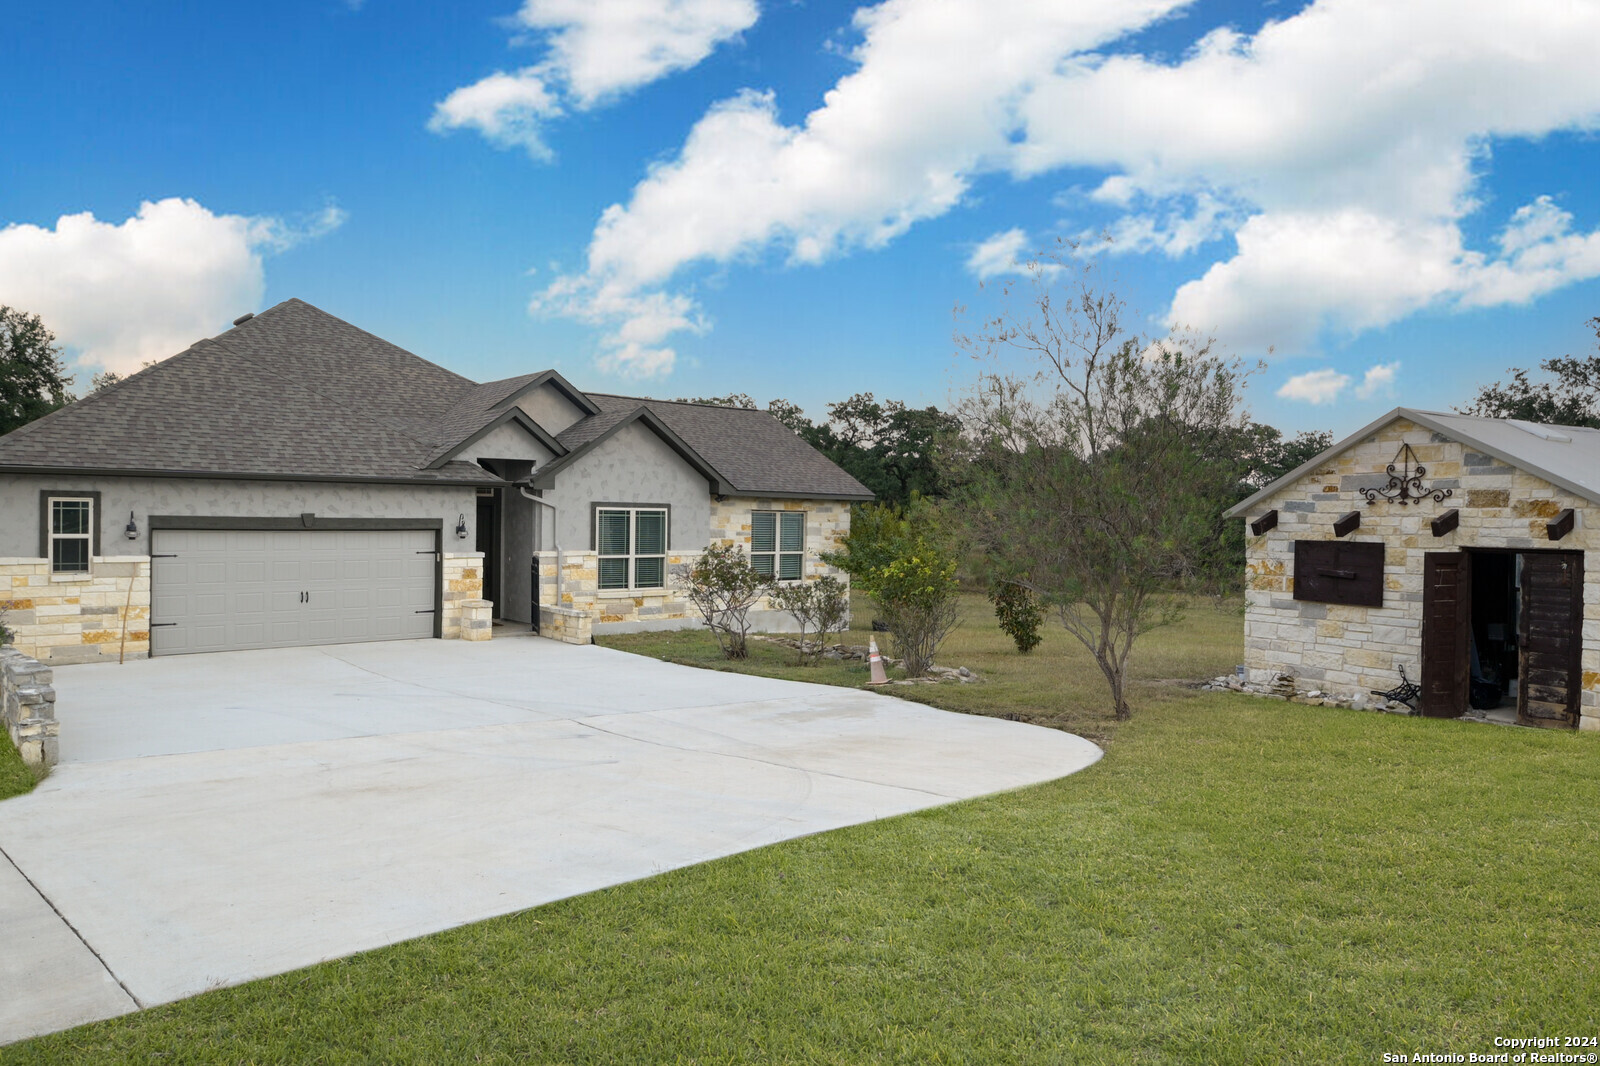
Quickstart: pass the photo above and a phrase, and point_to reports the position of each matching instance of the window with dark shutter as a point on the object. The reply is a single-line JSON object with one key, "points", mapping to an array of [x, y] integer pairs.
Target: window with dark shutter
{"points": [[1330, 571]]}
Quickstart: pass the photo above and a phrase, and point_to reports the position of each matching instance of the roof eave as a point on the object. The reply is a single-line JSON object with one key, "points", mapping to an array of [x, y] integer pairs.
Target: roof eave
{"points": [[1427, 421], [487, 480], [514, 415]]}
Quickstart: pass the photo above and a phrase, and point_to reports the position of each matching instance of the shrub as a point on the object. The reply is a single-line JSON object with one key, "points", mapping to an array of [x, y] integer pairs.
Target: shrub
{"points": [[820, 606], [1019, 613], [916, 597], [7, 634], [723, 588]]}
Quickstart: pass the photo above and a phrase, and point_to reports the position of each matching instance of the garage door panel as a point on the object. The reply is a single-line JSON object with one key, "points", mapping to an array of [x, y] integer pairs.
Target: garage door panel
{"points": [[249, 589]]}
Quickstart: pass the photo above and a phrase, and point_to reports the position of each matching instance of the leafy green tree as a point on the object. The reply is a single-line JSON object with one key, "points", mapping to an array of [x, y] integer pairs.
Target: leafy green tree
{"points": [[33, 380], [888, 447], [1098, 475], [1572, 399]]}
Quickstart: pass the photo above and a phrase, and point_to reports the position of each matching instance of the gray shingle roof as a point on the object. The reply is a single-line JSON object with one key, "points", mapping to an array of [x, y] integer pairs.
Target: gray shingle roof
{"points": [[293, 392], [296, 393], [755, 454]]}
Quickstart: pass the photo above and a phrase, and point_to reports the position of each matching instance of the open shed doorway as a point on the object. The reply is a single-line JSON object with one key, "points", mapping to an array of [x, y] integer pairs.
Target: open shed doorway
{"points": [[1501, 634]]}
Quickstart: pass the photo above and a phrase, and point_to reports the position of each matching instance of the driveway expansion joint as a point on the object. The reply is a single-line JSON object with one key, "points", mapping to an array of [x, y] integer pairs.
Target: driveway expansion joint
{"points": [[64, 921]]}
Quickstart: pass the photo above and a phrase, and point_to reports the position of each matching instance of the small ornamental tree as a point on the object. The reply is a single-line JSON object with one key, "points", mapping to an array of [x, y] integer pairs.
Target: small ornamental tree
{"points": [[818, 606], [7, 634], [723, 587], [916, 596], [1018, 613]]}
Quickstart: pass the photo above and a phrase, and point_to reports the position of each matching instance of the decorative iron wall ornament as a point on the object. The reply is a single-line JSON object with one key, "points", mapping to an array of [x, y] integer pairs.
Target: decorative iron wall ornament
{"points": [[1405, 482]]}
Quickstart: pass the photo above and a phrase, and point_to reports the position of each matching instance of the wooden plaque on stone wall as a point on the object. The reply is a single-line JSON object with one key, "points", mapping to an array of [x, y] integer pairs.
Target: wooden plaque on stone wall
{"points": [[1332, 571]]}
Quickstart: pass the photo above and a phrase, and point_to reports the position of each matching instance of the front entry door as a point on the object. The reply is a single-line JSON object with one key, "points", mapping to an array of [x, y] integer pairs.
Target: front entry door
{"points": [[1551, 630], [1446, 628]]}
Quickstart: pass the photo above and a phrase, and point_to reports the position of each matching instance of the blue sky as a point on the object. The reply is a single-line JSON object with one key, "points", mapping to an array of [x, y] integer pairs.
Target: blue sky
{"points": [[684, 197]]}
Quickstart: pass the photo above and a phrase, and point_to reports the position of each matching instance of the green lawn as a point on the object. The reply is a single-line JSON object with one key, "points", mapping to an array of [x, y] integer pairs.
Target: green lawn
{"points": [[15, 777], [1057, 684], [1237, 881]]}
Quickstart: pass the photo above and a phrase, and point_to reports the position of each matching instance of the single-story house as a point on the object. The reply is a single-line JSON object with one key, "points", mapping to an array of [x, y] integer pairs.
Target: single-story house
{"points": [[1461, 549], [297, 480]]}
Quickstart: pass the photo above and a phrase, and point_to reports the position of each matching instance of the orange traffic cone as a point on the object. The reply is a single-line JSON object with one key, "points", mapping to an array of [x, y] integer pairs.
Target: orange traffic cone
{"points": [[878, 676]]}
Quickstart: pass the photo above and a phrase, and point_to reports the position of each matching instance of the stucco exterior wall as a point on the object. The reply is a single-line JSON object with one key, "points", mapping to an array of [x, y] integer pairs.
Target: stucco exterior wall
{"points": [[1350, 650], [64, 619], [19, 504], [553, 411], [632, 467], [509, 441]]}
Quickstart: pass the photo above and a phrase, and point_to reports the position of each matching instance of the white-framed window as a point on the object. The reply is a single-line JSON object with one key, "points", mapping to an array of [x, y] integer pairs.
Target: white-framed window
{"points": [[778, 544], [70, 533], [632, 544]]}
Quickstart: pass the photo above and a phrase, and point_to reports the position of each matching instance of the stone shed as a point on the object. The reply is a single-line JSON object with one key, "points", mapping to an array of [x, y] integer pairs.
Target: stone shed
{"points": [[1465, 551]]}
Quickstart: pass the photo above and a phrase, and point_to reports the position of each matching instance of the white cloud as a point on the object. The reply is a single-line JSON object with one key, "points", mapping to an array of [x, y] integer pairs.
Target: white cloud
{"points": [[1316, 387], [1378, 380], [1000, 254], [930, 105], [148, 287], [508, 109], [601, 50], [1341, 147], [595, 52]]}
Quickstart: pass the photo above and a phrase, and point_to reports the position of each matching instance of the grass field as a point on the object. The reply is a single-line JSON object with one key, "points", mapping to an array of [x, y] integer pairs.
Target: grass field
{"points": [[1237, 881], [1057, 684]]}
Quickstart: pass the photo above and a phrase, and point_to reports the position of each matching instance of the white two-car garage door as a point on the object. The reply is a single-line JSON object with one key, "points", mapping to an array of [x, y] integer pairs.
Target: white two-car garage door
{"points": [[224, 590]]}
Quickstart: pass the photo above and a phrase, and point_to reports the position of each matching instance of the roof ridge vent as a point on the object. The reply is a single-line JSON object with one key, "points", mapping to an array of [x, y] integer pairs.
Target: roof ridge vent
{"points": [[1542, 432], [242, 319]]}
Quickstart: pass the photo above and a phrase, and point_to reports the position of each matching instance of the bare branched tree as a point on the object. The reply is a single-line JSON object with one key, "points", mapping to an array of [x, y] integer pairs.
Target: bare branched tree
{"points": [[1102, 463]]}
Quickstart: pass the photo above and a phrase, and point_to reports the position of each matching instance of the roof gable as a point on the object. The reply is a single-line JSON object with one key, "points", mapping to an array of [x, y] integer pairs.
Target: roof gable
{"points": [[1568, 458], [755, 454], [612, 426]]}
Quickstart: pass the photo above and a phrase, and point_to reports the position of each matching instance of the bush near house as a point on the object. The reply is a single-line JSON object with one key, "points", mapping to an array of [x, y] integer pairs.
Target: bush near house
{"points": [[724, 587]]}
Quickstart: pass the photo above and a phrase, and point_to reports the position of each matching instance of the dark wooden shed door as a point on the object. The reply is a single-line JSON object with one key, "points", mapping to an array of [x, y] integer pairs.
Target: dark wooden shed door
{"points": [[1446, 626], [1551, 631]]}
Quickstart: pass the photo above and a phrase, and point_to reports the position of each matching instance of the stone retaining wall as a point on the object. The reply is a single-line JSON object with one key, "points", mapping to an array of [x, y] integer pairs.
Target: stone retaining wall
{"points": [[1347, 651], [28, 706], [565, 624], [60, 619]]}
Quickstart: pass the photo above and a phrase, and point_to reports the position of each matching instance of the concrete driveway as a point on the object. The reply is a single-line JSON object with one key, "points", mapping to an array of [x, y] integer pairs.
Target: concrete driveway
{"points": [[218, 818]]}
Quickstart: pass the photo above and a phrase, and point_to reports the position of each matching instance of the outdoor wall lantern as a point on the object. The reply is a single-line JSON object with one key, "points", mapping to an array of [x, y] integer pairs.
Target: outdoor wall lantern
{"points": [[461, 526], [133, 529]]}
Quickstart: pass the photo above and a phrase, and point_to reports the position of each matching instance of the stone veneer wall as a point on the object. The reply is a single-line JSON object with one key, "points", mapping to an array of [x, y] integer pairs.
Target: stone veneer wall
{"points": [[463, 581], [28, 707], [60, 620], [1349, 650], [827, 523]]}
